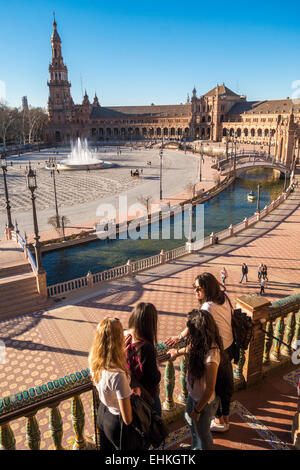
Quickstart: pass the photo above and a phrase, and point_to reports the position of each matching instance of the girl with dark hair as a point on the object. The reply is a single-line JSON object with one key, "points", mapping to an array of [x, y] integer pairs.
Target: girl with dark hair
{"points": [[140, 350], [213, 299], [204, 350]]}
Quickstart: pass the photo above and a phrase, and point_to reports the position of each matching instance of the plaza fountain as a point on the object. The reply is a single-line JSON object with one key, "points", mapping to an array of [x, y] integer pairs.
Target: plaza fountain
{"points": [[81, 158]]}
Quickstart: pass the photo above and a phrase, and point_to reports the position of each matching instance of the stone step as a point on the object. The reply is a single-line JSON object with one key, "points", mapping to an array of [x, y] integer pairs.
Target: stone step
{"points": [[14, 270], [38, 304], [19, 298], [27, 280]]}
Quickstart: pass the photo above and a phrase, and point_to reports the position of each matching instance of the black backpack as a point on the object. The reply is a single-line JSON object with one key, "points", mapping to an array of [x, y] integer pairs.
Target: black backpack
{"points": [[242, 330], [146, 426]]}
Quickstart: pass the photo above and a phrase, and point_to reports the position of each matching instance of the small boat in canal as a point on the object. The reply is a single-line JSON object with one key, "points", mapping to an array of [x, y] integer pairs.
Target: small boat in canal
{"points": [[251, 196]]}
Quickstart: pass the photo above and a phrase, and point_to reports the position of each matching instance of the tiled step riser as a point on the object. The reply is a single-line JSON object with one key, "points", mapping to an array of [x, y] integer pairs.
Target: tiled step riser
{"points": [[26, 307], [19, 300], [27, 284], [4, 315], [13, 271]]}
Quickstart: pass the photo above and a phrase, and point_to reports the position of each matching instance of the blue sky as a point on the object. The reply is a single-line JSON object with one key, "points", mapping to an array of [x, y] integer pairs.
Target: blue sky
{"points": [[135, 53]]}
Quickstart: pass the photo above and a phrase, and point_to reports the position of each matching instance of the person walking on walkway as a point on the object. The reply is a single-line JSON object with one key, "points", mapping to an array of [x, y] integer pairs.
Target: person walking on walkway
{"points": [[204, 350], [224, 275], [111, 377], [213, 299], [259, 271], [244, 272], [265, 272], [262, 286]]}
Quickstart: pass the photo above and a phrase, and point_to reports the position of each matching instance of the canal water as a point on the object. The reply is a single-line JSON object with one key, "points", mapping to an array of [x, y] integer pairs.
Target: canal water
{"points": [[229, 207]]}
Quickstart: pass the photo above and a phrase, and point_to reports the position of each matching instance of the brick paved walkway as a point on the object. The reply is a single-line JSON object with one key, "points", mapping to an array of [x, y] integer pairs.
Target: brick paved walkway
{"points": [[49, 344]]}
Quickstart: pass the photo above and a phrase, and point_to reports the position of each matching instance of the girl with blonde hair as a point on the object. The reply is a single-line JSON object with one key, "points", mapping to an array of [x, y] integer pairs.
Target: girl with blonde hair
{"points": [[111, 378]]}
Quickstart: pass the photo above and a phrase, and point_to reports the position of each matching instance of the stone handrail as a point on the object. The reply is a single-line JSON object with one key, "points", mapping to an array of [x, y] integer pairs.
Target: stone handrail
{"points": [[155, 260], [27, 253], [29, 402]]}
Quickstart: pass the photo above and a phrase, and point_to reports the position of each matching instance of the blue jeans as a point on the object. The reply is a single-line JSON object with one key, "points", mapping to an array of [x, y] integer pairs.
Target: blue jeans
{"points": [[244, 275], [201, 435]]}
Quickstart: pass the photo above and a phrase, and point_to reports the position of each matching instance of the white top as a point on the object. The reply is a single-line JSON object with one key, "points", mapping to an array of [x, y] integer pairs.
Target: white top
{"points": [[111, 387], [222, 316], [199, 386]]}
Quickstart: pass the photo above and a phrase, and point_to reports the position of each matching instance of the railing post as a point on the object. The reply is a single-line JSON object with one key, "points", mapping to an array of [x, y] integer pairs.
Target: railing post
{"points": [[129, 268], [288, 334], [33, 434], [268, 342], [245, 222], [7, 438], [89, 278], [212, 238], [230, 230], [258, 309], [162, 257], [169, 386], [183, 370], [41, 283], [56, 426], [77, 413], [279, 330]]}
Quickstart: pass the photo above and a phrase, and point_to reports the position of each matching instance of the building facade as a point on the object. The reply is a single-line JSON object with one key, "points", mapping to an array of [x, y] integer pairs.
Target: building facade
{"points": [[219, 115]]}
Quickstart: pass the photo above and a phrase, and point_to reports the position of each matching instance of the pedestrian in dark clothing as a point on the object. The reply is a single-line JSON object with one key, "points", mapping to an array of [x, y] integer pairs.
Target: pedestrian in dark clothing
{"points": [[265, 272], [244, 272]]}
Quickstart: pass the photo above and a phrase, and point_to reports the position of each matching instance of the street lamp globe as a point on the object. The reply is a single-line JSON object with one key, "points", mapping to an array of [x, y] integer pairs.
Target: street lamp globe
{"points": [[3, 162], [31, 180]]}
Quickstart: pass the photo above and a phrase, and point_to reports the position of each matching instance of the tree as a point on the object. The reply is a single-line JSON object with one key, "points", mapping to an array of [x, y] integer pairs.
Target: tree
{"points": [[7, 117]]}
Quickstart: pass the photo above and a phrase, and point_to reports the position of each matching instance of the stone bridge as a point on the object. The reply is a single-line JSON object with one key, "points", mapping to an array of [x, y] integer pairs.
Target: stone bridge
{"points": [[244, 162]]}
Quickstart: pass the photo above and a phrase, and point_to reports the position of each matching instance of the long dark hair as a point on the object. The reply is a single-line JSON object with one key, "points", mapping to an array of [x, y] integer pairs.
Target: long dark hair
{"points": [[143, 320], [212, 288], [202, 336]]}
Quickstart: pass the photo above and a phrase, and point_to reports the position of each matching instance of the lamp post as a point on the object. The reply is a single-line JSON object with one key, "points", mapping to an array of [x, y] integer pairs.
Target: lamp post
{"points": [[53, 165], [258, 198], [4, 169], [160, 171], [200, 163], [32, 185], [269, 150]]}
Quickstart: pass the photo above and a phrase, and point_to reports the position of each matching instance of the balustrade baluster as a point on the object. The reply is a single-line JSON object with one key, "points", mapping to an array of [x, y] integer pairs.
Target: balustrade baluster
{"points": [[268, 342], [56, 426], [279, 330], [169, 386], [288, 334], [77, 414], [238, 370], [297, 331], [183, 369], [95, 407], [7, 438], [33, 435]]}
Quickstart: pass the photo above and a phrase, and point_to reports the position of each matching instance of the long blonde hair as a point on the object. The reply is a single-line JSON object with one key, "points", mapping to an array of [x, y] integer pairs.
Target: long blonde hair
{"points": [[107, 351]]}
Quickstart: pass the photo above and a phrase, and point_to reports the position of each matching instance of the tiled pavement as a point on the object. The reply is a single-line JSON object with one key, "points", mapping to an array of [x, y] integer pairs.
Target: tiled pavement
{"points": [[49, 344]]}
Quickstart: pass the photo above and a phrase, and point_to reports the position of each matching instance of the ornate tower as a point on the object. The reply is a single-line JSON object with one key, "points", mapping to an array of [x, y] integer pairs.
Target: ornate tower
{"points": [[60, 102]]}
